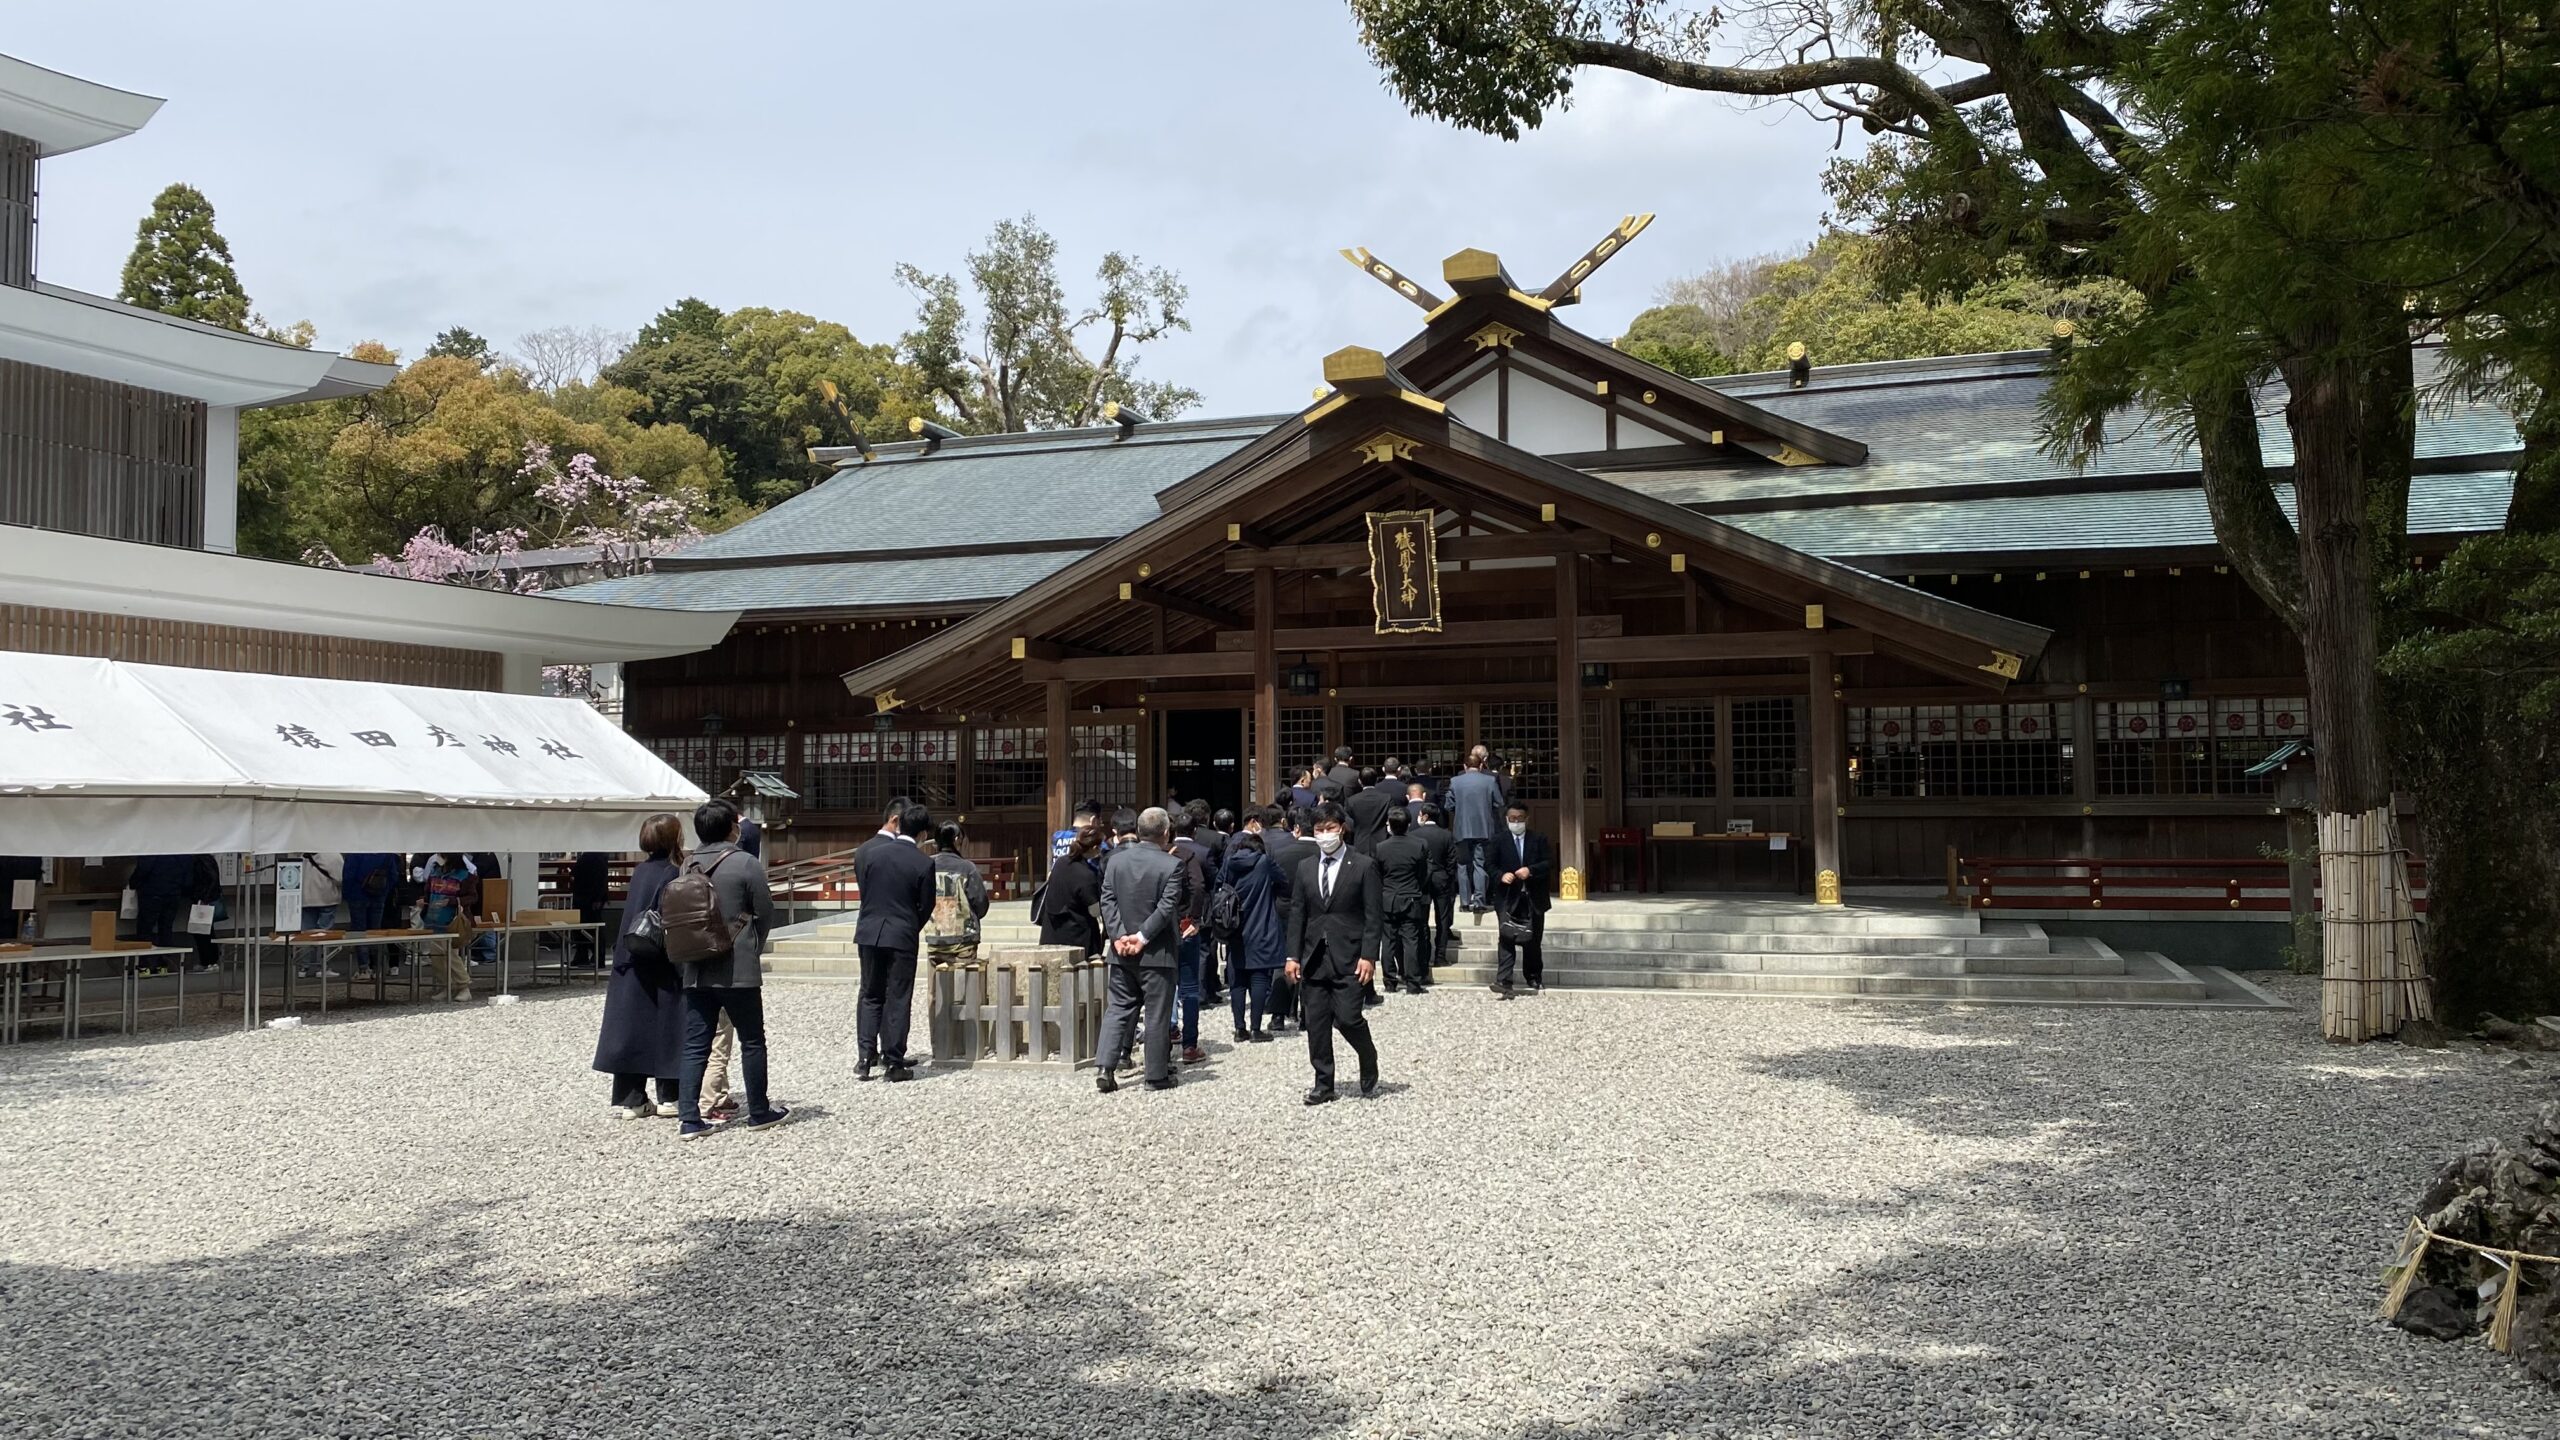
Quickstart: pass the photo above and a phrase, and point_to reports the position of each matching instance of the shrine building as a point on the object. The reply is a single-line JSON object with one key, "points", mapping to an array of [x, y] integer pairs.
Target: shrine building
{"points": [[1854, 612]]}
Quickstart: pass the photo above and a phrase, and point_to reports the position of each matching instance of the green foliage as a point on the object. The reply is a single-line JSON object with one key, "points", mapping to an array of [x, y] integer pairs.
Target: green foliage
{"points": [[1679, 338], [181, 265], [1489, 65], [460, 343], [1019, 363], [1845, 301], [2472, 692], [748, 382]]}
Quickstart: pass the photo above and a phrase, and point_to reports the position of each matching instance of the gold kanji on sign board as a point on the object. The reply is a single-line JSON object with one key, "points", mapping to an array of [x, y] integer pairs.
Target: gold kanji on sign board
{"points": [[1404, 572]]}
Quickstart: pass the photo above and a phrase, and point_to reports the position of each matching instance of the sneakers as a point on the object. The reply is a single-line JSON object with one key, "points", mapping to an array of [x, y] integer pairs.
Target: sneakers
{"points": [[695, 1131], [640, 1111], [768, 1119], [724, 1108], [899, 1074], [462, 996], [667, 1110], [1193, 1055]]}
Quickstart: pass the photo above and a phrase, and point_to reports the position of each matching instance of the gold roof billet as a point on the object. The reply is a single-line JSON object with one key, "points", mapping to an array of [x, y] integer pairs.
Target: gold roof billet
{"points": [[1421, 401], [1328, 407], [1387, 445], [2003, 664], [1495, 335], [1473, 266], [1354, 362]]}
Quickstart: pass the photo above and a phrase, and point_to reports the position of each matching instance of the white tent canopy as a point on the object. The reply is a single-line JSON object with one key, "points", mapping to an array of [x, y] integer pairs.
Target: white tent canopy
{"points": [[100, 757]]}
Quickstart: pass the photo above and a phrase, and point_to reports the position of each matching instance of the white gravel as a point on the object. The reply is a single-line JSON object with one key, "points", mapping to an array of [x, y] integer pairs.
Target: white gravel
{"points": [[1580, 1215]]}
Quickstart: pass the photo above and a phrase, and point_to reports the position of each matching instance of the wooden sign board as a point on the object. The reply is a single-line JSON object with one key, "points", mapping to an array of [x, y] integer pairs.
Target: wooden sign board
{"points": [[1404, 572]]}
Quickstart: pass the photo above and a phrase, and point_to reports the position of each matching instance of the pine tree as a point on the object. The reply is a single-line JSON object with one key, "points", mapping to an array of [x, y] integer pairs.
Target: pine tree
{"points": [[181, 265]]}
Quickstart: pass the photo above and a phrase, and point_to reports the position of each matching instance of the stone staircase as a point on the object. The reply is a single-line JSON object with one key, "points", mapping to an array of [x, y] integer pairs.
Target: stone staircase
{"points": [[1774, 948]]}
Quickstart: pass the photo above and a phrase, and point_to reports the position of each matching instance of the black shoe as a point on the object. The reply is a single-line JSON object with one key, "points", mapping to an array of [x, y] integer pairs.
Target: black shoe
{"points": [[1498, 988], [867, 1067], [1166, 1083], [1103, 1081], [1242, 1036], [1368, 1083], [1321, 1095], [900, 1073], [1259, 1037]]}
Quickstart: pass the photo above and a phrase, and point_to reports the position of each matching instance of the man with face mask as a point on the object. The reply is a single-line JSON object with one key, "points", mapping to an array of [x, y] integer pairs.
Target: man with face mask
{"points": [[1521, 860], [1337, 917]]}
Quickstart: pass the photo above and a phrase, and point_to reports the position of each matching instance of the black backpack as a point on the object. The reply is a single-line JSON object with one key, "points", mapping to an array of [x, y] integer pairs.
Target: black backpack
{"points": [[1226, 911]]}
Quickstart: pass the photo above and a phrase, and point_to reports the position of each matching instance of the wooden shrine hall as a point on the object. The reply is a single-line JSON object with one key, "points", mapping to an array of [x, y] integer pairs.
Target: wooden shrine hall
{"points": [[1858, 610], [1376, 551]]}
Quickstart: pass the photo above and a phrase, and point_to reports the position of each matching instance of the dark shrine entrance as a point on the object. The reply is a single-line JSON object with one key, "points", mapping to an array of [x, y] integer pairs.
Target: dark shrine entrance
{"points": [[1204, 756]]}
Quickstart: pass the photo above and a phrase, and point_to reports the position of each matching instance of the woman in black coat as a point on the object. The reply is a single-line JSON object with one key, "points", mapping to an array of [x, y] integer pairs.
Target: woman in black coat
{"points": [[1067, 914], [644, 1013]]}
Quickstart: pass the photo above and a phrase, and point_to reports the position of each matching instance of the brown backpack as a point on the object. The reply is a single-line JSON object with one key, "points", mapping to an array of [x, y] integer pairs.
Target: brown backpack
{"points": [[696, 930]]}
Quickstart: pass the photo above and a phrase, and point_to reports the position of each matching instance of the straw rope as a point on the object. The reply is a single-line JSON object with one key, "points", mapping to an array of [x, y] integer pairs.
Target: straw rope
{"points": [[2414, 1243]]}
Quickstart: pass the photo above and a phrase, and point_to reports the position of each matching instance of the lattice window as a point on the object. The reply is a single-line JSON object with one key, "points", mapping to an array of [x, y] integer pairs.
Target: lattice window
{"points": [[1522, 738], [861, 771], [1411, 733], [1948, 751], [1009, 766], [713, 761], [1765, 735], [1301, 740], [1104, 764], [1670, 749], [2193, 747]]}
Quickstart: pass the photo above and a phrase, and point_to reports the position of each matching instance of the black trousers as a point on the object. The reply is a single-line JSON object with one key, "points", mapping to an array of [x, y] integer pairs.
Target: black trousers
{"points": [[632, 1089], [1333, 1003], [1523, 960], [1443, 913], [1407, 962], [887, 1006], [1134, 987]]}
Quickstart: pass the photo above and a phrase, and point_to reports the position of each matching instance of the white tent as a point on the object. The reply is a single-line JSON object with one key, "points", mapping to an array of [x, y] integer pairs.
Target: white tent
{"points": [[99, 757]]}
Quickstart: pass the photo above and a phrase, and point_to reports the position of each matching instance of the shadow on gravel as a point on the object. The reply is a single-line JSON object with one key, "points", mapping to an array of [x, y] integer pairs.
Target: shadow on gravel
{"points": [[838, 1324]]}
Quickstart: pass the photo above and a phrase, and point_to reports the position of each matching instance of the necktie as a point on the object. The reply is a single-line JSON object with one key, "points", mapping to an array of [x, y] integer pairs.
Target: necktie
{"points": [[1330, 862]]}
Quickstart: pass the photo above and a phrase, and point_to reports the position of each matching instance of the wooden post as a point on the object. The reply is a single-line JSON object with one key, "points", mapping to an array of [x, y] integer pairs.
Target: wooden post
{"points": [[1570, 853], [1828, 761], [1062, 742], [2084, 769], [1266, 694]]}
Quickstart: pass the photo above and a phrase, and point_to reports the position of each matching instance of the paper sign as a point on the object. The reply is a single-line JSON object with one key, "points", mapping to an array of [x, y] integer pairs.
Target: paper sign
{"points": [[199, 919], [288, 895], [1777, 842], [22, 895], [1740, 827], [230, 866]]}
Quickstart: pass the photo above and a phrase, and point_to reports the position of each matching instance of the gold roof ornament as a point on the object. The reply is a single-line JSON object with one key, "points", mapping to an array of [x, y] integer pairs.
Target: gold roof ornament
{"points": [[1388, 445], [1387, 275], [1495, 336]]}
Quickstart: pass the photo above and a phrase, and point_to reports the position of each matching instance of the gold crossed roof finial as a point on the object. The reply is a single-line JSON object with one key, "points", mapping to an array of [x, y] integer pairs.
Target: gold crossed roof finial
{"points": [[1474, 271]]}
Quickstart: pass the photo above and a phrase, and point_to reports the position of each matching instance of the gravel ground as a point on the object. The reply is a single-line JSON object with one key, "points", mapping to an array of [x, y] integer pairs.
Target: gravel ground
{"points": [[1580, 1215]]}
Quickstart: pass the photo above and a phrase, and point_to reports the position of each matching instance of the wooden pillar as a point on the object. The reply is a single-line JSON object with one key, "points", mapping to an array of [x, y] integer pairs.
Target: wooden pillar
{"points": [[1829, 760], [2084, 768], [1266, 693], [1062, 744], [1570, 852]]}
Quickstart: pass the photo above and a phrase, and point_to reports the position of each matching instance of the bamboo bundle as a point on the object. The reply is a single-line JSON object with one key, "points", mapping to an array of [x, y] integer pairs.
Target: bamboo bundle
{"points": [[2373, 977]]}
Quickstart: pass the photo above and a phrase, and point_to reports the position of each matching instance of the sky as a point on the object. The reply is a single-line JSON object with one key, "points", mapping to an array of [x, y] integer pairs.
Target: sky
{"points": [[385, 172]]}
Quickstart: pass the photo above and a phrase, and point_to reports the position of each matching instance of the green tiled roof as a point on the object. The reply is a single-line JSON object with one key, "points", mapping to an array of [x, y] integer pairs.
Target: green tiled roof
{"points": [[833, 586], [2468, 502]]}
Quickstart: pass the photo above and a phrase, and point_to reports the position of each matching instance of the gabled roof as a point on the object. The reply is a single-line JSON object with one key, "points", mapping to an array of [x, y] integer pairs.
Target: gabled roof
{"points": [[63, 113], [1328, 463]]}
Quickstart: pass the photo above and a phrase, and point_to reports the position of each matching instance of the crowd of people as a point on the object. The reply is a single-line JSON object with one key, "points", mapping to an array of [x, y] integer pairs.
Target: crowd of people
{"points": [[1307, 912]]}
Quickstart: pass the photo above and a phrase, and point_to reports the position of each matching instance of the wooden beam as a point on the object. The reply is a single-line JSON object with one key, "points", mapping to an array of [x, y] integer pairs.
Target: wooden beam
{"points": [[1727, 645], [1569, 657], [1456, 632], [1239, 533], [1266, 693], [1061, 747], [1190, 665], [1461, 547], [1162, 599], [1828, 758], [1028, 647]]}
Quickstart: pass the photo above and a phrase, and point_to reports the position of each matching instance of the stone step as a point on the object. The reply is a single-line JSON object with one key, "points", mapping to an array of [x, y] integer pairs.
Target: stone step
{"points": [[2020, 965], [1735, 918], [2148, 978]]}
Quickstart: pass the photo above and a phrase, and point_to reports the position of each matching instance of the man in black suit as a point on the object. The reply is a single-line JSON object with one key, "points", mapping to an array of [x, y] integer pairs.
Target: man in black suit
{"points": [[1522, 860], [1367, 809], [1288, 848], [1404, 879], [1143, 899], [1337, 910], [1441, 847], [1338, 783], [896, 881]]}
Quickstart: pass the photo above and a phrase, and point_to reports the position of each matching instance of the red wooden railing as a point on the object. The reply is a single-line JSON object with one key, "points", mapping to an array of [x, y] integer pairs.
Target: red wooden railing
{"points": [[2019, 883]]}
